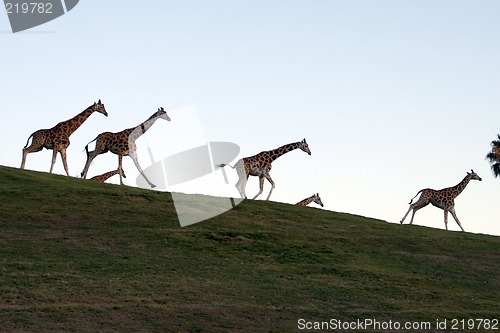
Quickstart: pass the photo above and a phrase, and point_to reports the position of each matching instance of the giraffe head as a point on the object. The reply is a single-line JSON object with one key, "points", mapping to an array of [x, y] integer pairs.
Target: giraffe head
{"points": [[473, 175], [317, 199], [304, 147], [161, 113], [99, 107]]}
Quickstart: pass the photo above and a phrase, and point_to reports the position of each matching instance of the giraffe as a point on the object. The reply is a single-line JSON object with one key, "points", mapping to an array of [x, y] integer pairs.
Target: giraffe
{"points": [[102, 178], [123, 144], [443, 199], [260, 165], [57, 138], [314, 198]]}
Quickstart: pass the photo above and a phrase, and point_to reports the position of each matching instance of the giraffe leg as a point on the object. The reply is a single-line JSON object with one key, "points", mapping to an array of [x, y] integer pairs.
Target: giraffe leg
{"points": [[269, 179], [261, 186], [446, 218], [404, 217], [37, 140], [25, 153], [454, 214], [100, 148], [54, 155], [413, 215], [63, 157], [133, 155], [30, 149], [90, 158], [416, 206], [241, 185], [23, 161], [242, 178], [120, 158]]}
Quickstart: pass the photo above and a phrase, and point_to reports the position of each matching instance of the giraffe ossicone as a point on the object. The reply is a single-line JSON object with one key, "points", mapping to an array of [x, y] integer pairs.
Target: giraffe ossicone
{"points": [[123, 144], [444, 199], [260, 165], [57, 137]]}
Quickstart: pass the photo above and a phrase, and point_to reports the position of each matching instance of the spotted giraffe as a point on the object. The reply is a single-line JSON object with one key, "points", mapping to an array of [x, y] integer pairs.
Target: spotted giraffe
{"points": [[444, 199], [57, 137], [314, 198], [260, 165], [123, 144], [105, 176]]}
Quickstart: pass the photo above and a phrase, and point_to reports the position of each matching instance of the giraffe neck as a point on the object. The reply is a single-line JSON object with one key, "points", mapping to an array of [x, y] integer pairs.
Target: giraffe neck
{"points": [[142, 128], [105, 176], [305, 202], [109, 174], [457, 189], [274, 154], [71, 125], [147, 124]]}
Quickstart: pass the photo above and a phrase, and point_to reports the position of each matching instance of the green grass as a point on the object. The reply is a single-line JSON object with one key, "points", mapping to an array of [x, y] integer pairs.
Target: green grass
{"points": [[80, 256]]}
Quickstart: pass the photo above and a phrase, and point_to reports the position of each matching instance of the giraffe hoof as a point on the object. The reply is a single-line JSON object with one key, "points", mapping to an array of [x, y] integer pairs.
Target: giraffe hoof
{"points": [[153, 185]]}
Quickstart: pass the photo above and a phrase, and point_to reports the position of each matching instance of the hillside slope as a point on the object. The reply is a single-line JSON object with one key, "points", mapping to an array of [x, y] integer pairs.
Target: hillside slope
{"points": [[80, 256]]}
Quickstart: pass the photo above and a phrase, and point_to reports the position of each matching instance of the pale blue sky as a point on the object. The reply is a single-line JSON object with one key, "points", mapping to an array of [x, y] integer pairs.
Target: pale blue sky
{"points": [[392, 96]]}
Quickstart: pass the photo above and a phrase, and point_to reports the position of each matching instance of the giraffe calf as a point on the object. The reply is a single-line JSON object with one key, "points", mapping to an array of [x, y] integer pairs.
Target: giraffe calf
{"points": [[314, 198], [105, 176]]}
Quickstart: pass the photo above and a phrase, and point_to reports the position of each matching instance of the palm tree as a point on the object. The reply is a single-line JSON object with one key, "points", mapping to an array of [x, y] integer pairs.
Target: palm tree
{"points": [[494, 156]]}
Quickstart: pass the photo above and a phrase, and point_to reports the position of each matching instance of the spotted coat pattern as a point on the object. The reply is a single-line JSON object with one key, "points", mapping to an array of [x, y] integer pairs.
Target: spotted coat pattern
{"points": [[123, 144], [260, 165], [105, 176], [57, 137], [314, 198], [443, 199]]}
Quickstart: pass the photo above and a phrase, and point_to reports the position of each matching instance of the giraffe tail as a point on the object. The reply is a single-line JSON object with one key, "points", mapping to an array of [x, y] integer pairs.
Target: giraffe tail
{"points": [[29, 140], [223, 165], [87, 147], [415, 196]]}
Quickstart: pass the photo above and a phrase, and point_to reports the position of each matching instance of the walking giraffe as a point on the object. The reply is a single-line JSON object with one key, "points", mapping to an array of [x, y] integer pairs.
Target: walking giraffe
{"points": [[57, 138], [444, 199], [260, 165], [105, 176], [122, 144], [314, 198]]}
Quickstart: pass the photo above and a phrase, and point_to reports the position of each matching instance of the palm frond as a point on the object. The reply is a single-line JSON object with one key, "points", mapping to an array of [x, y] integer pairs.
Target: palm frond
{"points": [[496, 169], [494, 156], [495, 144]]}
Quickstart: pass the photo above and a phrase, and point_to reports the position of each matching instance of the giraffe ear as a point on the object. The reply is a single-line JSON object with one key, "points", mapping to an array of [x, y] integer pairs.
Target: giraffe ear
{"points": [[99, 102]]}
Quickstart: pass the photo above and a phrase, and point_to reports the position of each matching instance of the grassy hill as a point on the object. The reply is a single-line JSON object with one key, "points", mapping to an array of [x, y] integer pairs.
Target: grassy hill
{"points": [[80, 256]]}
